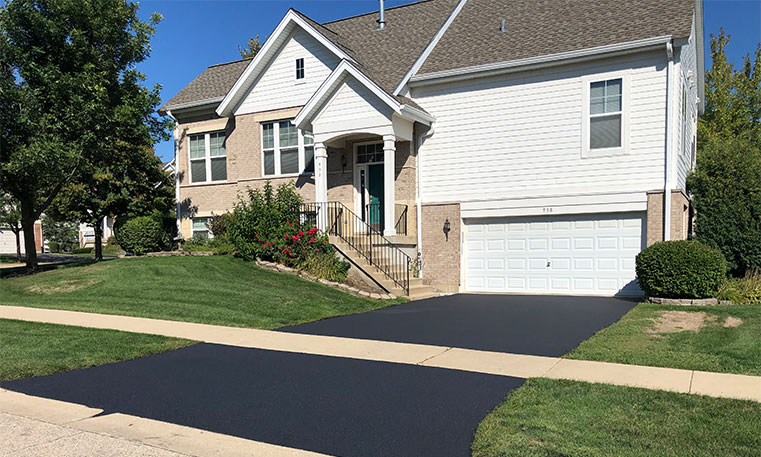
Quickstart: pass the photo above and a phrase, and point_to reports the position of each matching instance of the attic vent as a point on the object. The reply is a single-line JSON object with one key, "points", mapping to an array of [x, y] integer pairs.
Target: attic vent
{"points": [[503, 25], [382, 16]]}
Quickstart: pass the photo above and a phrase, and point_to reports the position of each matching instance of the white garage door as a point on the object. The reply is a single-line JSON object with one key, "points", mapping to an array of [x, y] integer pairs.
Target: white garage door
{"points": [[8, 241], [574, 254]]}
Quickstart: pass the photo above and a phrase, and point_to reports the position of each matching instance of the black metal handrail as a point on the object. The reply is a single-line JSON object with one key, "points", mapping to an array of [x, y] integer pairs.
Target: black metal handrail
{"points": [[335, 219], [401, 223]]}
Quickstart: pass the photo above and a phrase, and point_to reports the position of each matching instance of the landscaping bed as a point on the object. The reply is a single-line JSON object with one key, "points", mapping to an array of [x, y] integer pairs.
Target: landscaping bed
{"points": [[33, 349], [218, 289], [708, 338], [549, 418]]}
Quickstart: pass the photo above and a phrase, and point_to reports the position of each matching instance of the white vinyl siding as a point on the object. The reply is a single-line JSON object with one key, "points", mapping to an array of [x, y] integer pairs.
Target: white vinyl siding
{"points": [[352, 104], [278, 88], [286, 150], [573, 254], [208, 158], [520, 135], [685, 119]]}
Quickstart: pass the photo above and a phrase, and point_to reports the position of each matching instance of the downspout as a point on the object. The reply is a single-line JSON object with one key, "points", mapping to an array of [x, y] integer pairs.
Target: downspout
{"points": [[176, 175], [669, 141], [419, 204]]}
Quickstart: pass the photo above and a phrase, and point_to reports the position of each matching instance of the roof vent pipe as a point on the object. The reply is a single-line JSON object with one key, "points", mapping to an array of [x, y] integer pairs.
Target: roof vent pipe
{"points": [[382, 16], [503, 25]]}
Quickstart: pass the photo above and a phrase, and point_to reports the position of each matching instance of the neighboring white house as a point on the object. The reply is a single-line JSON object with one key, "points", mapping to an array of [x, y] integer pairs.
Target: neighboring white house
{"points": [[515, 146]]}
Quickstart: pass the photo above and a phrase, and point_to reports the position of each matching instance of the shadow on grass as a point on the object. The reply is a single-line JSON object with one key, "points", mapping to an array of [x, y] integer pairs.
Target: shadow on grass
{"points": [[6, 273]]}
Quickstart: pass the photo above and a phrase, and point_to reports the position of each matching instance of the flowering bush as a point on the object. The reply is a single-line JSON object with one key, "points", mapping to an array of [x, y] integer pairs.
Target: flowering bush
{"points": [[267, 226]]}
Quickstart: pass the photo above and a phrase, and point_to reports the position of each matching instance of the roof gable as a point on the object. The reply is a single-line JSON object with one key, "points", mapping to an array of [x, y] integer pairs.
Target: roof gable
{"points": [[291, 20]]}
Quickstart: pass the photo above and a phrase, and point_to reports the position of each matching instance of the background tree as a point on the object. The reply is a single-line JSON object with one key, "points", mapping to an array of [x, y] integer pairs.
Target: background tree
{"points": [[726, 184], [253, 46], [127, 177], [61, 234], [61, 65], [10, 216]]}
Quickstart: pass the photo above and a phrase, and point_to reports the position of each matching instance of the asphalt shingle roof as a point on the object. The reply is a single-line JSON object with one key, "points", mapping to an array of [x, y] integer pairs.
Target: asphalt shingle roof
{"points": [[534, 28], [542, 27]]}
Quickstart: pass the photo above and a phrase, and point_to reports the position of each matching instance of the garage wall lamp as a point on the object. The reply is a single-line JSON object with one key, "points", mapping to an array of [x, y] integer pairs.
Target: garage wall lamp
{"points": [[343, 162], [447, 228]]}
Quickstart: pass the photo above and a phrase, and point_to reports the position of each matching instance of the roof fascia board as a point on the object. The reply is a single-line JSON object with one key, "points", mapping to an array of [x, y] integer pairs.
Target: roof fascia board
{"points": [[416, 115], [194, 104], [225, 108], [700, 51], [344, 67], [539, 62], [428, 49]]}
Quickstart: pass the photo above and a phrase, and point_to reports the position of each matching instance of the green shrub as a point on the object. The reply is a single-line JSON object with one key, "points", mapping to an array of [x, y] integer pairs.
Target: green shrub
{"points": [[681, 269], [54, 246], [742, 290], [324, 265], [217, 224], [82, 250], [111, 241], [726, 188], [142, 234]]}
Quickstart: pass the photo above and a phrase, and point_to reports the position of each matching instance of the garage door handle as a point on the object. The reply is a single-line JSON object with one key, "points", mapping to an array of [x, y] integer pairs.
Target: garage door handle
{"points": [[548, 264]]}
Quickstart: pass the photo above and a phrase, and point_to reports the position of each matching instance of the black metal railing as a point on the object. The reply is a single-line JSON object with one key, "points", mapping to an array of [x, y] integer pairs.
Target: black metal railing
{"points": [[335, 219], [401, 221]]}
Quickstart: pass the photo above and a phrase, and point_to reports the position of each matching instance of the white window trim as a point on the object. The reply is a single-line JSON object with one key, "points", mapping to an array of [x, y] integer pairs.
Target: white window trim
{"points": [[586, 82], [206, 158], [303, 79], [276, 145]]}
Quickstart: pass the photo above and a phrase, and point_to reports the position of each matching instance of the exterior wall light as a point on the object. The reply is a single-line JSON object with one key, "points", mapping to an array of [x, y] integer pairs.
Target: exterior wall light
{"points": [[447, 228], [343, 162]]}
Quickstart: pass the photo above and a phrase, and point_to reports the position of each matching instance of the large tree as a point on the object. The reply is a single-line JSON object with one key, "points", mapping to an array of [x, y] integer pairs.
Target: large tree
{"points": [[726, 184], [62, 64], [10, 216]]}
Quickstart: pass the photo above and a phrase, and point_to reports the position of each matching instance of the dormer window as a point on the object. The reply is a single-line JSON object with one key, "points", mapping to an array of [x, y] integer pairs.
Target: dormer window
{"points": [[299, 69]]}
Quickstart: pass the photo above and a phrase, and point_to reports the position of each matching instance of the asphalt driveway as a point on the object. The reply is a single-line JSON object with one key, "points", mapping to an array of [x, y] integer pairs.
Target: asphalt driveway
{"points": [[336, 406], [523, 324]]}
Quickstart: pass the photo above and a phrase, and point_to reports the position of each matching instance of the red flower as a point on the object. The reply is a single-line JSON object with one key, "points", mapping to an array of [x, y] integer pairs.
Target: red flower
{"points": [[286, 236], [311, 240], [301, 233], [295, 238]]}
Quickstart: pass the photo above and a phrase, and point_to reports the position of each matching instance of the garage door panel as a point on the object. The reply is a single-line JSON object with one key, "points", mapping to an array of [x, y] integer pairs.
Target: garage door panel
{"points": [[580, 254]]}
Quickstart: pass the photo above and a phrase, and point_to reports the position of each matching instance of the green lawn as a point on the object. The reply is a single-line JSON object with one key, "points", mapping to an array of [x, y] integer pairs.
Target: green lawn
{"points": [[551, 418], [216, 290], [33, 349], [718, 346]]}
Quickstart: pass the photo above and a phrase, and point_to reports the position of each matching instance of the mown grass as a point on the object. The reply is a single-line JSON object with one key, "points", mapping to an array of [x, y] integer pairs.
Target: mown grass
{"points": [[552, 418], [34, 349], [216, 290], [712, 348]]}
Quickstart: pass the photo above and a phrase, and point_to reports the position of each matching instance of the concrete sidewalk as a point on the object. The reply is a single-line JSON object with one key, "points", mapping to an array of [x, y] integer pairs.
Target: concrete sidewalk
{"points": [[34, 426], [497, 363]]}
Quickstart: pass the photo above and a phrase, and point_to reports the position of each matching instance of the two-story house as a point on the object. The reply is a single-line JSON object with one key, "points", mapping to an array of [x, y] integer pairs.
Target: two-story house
{"points": [[521, 146]]}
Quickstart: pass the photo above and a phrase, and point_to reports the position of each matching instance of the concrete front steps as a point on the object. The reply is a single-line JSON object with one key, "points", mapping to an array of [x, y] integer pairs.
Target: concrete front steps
{"points": [[418, 290]]}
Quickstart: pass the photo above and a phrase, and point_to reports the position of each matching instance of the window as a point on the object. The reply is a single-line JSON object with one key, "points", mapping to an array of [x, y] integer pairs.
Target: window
{"points": [[686, 123], [606, 114], [200, 227], [208, 159], [370, 153], [299, 68], [286, 150]]}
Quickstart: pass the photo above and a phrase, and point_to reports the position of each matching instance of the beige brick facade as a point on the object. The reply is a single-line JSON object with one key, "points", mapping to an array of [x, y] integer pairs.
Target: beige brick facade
{"points": [[244, 168], [680, 216], [441, 254]]}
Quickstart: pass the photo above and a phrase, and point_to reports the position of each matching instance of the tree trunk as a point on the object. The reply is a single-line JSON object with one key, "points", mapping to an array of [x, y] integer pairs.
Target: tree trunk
{"points": [[28, 219], [98, 240], [17, 231]]}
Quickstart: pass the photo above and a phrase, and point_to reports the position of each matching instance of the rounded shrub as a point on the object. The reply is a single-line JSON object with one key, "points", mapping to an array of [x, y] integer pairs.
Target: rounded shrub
{"points": [[681, 269], [142, 234]]}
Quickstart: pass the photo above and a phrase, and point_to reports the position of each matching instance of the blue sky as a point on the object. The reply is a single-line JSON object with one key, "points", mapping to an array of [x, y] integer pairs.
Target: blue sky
{"points": [[197, 33]]}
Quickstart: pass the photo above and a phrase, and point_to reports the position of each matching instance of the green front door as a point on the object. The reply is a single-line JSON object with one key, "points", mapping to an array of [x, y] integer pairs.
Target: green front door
{"points": [[375, 189]]}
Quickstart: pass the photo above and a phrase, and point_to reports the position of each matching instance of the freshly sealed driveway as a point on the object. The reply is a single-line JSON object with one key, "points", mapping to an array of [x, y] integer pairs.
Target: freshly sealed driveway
{"points": [[336, 406], [544, 325]]}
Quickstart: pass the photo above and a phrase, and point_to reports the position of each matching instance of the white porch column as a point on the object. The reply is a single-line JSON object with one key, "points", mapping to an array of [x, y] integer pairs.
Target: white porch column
{"points": [[321, 183], [389, 176]]}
